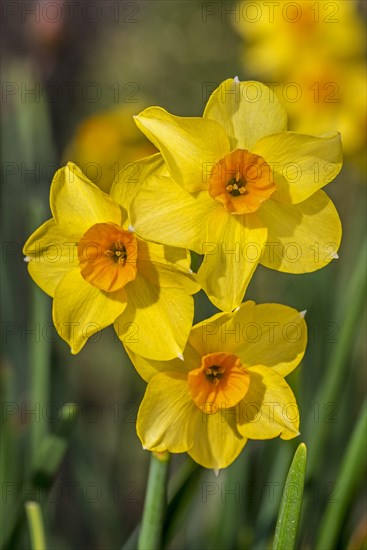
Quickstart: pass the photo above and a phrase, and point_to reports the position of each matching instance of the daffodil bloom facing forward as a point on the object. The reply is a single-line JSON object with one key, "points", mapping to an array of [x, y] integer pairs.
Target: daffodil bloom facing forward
{"points": [[229, 388], [240, 189], [99, 272]]}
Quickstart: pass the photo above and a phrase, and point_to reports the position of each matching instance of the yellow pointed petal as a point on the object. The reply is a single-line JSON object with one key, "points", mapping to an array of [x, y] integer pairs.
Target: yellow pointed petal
{"points": [[130, 179], [77, 203], [176, 208], [269, 408], [166, 417], [301, 164], [166, 266], [217, 442], [233, 247], [302, 237], [50, 256], [157, 320], [273, 335], [147, 368], [188, 145], [80, 309], [209, 337], [247, 111], [164, 255]]}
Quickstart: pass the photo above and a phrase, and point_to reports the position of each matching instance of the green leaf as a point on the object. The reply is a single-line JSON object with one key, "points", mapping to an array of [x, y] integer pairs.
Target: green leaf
{"points": [[290, 507], [52, 449], [43, 471], [330, 387], [351, 473]]}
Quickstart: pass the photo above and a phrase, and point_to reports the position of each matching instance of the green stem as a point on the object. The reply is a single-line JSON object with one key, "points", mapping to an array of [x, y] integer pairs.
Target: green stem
{"points": [[39, 351], [181, 487], [35, 523], [155, 503]]}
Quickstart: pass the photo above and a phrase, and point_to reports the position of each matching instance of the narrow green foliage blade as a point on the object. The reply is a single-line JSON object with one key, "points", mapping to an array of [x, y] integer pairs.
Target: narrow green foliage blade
{"points": [[290, 507], [350, 475]]}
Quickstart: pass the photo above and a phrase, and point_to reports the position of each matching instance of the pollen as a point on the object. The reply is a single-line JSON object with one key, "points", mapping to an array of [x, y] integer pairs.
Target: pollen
{"points": [[241, 181], [117, 252], [214, 374], [236, 186], [220, 382], [108, 256]]}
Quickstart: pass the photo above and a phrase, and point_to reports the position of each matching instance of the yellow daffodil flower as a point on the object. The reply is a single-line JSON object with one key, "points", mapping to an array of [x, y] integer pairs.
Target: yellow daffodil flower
{"points": [[240, 189], [229, 388], [99, 272]]}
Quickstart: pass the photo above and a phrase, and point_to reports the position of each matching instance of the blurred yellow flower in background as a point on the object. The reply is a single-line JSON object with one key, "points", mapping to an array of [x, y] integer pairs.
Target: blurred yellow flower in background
{"points": [[332, 96], [240, 189], [99, 272], [106, 143], [283, 34], [229, 388], [313, 53]]}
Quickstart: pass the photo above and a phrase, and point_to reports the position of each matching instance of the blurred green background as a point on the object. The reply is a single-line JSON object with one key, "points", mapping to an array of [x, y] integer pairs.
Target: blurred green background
{"points": [[73, 73]]}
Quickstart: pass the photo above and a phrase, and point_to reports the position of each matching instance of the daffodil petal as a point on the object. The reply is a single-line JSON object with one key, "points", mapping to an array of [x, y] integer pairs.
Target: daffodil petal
{"points": [[77, 204], [163, 271], [166, 266], [247, 111], [50, 256], [302, 237], [162, 255], [130, 179], [233, 248], [269, 408], [80, 309], [166, 276], [217, 442], [208, 337], [176, 208], [147, 368], [273, 335], [189, 145], [301, 164], [166, 417], [157, 320]]}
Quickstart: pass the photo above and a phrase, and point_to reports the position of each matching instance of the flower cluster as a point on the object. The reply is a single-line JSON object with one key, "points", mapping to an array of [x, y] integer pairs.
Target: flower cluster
{"points": [[236, 187]]}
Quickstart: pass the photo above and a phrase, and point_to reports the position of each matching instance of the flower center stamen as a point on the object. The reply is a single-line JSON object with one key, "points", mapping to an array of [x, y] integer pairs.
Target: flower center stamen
{"points": [[214, 374], [236, 186], [220, 382], [108, 256], [241, 181], [117, 252]]}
